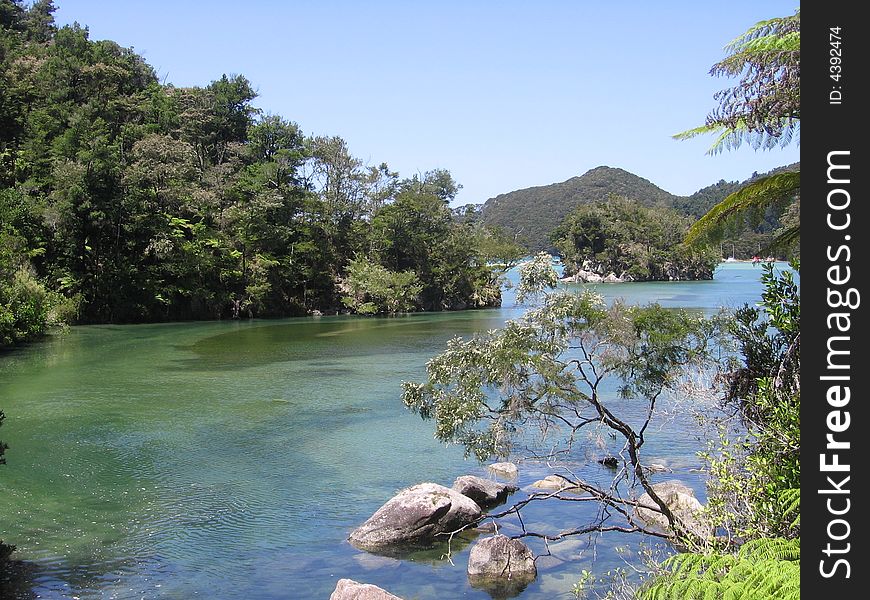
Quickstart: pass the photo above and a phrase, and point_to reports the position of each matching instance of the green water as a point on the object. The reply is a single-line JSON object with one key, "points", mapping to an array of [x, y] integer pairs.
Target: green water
{"points": [[231, 459]]}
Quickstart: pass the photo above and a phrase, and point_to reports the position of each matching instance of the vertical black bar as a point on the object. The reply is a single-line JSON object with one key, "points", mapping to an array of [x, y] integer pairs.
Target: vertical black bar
{"points": [[835, 228]]}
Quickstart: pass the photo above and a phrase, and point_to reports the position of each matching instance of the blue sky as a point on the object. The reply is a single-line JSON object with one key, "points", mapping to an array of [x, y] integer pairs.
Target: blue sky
{"points": [[506, 95]]}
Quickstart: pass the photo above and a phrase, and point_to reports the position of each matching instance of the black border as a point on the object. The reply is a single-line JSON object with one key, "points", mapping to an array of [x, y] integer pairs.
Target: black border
{"points": [[831, 127]]}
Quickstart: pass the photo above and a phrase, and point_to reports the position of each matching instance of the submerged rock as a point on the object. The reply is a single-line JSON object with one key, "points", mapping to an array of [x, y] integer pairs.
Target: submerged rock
{"points": [[501, 565], [656, 468], [681, 501], [415, 516], [489, 527], [484, 492], [504, 469], [610, 462], [348, 589], [556, 482]]}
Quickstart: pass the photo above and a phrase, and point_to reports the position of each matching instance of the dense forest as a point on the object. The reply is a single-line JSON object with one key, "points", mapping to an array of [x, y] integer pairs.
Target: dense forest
{"points": [[125, 200]]}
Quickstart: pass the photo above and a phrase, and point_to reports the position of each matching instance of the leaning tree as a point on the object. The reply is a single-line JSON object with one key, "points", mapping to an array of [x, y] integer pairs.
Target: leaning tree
{"points": [[554, 370]]}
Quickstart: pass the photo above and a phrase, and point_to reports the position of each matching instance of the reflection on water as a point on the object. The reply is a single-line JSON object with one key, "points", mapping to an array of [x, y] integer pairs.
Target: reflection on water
{"points": [[231, 459]]}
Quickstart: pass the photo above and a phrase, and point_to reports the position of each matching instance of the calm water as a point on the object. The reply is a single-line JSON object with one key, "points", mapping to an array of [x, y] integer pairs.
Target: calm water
{"points": [[231, 459]]}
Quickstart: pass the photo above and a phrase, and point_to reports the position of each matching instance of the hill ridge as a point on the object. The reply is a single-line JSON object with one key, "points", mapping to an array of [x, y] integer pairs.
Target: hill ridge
{"points": [[532, 213]]}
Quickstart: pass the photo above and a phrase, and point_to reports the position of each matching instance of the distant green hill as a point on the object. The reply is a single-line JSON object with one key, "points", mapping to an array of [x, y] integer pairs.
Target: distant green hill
{"points": [[533, 213]]}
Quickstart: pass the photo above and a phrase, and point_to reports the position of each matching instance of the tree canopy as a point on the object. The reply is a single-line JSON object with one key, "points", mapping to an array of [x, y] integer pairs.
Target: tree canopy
{"points": [[124, 200]]}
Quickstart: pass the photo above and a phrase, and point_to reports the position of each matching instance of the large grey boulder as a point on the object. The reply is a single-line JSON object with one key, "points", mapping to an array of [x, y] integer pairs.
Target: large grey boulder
{"points": [[348, 589], [485, 492], [681, 501], [501, 565], [415, 516]]}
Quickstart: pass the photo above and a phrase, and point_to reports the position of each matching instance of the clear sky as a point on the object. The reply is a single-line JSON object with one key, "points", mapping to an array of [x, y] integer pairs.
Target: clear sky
{"points": [[505, 94]]}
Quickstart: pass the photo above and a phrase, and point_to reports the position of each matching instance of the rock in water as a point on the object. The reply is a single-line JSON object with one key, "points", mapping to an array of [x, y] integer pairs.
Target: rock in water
{"points": [[414, 517], [557, 482], [500, 565], [504, 469], [656, 468], [681, 500], [611, 462], [484, 492], [348, 589]]}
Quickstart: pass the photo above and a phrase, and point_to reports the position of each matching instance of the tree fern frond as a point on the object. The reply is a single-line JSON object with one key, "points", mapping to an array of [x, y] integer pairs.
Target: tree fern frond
{"points": [[763, 569], [782, 26], [786, 238], [696, 131], [757, 195], [791, 499], [731, 137], [790, 42], [778, 549]]}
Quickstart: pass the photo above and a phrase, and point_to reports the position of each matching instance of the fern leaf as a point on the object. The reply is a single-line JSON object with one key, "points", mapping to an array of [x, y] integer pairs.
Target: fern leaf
{"points": [[771, 549], [791, 499], [755, 196], [763, 569]]}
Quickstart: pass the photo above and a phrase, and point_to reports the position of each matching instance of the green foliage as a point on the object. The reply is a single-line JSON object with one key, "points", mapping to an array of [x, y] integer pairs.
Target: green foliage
{"points": [[373, 289], [633, 241], [143, 202], [438, 182], [498, 248], [763, 569], [763, 109], [749, 203], [418, 232], [755, 234], [482, 390], [754, 487], [537, 277], [753, 473], [25, 308]]}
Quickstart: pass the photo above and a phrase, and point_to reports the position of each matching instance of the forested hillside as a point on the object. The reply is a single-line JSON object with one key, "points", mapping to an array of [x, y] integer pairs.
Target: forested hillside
{"points": [[124, 200], [533, 214]]}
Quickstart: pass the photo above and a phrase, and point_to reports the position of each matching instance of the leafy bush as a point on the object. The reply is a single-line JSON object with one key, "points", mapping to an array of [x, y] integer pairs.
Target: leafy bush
{"points": [[373, 289], [27, 309], [751, 471]]}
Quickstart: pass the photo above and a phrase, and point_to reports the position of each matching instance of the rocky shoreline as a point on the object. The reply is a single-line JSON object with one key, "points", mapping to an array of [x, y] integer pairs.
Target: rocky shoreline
{"points": [[423, 514]]}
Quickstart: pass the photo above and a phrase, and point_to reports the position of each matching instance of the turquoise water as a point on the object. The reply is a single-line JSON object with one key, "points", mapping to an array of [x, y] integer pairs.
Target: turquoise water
{"points": [[232, 459]]}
